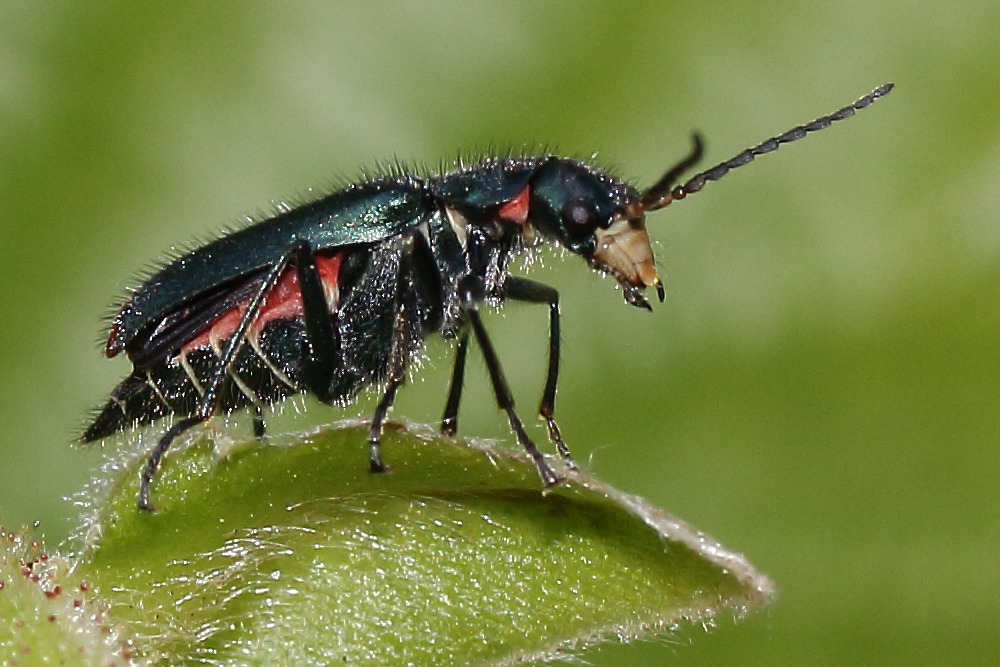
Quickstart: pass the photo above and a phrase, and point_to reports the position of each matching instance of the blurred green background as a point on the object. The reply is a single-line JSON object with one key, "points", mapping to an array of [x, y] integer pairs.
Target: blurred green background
{"points": [[820, 388]]}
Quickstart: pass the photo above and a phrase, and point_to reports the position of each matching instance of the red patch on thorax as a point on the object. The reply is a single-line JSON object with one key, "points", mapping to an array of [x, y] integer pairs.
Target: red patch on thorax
{"points": [[284, 301], [516, 210]]}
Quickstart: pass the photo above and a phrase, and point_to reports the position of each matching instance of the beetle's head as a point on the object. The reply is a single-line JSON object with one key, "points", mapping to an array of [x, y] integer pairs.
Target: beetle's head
{"points": [[599, 218], [604, 220]]}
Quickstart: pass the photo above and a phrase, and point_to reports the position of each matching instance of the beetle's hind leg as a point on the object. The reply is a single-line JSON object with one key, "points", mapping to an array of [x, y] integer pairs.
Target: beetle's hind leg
{"points": [[213, 388], [153, 462]]}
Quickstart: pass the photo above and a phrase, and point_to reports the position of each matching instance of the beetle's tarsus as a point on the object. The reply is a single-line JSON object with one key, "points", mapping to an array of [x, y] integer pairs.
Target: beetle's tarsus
{"points": [[375, 463], [153, 462]]}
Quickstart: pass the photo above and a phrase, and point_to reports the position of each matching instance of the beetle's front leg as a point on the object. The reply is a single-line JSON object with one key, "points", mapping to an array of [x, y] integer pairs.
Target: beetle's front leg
{"points": [[471, 294], [523, 289]]}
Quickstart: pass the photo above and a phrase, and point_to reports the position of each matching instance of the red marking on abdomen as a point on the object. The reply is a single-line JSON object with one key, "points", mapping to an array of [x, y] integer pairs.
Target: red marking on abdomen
{"points": [[516, 209], [284, 301]]}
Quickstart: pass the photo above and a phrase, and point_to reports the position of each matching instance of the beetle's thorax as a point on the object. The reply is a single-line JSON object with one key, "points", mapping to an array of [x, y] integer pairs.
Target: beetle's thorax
{"points": [[555, 200]]}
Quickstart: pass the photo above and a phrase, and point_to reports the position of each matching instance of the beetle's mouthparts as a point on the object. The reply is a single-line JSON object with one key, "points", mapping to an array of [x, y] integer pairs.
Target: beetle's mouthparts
{"points": [[623, 250]]}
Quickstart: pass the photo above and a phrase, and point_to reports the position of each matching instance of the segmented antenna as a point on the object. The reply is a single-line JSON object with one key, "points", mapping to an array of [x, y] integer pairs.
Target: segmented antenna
{"points": [[663, 191]]}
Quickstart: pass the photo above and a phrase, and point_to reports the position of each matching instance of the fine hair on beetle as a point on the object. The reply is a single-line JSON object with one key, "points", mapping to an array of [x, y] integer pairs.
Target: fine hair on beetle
{"points": [[338, 294]]}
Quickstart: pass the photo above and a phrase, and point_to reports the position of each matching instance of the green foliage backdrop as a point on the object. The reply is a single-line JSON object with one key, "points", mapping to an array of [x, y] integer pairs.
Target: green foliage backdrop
{"points": [[820, 388]]}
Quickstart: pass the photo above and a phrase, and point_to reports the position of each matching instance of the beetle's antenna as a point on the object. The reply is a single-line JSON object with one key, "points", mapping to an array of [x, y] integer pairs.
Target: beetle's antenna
{"points": [[652, 197], [661, 194]]}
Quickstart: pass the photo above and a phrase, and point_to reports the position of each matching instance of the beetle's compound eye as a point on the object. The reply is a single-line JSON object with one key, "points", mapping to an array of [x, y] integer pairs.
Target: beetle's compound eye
{"points": [[579, 215]]}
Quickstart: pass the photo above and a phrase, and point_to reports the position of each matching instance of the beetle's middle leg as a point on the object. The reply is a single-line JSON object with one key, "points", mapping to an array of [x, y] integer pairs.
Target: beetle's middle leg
{"points": [[324, 351], [259, 427], [403, 311]]}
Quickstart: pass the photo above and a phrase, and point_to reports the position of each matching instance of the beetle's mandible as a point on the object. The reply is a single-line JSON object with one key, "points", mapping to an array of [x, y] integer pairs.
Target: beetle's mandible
{"points": [[339, 294]]}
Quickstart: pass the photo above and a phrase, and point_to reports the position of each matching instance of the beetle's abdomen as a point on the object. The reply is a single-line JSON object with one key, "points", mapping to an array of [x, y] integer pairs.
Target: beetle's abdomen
{"points": [[373, 295], [268, 368]]}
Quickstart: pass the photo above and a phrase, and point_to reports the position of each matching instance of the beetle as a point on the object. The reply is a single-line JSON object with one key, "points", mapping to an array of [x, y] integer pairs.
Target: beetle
{"points": [[338, 294]]}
